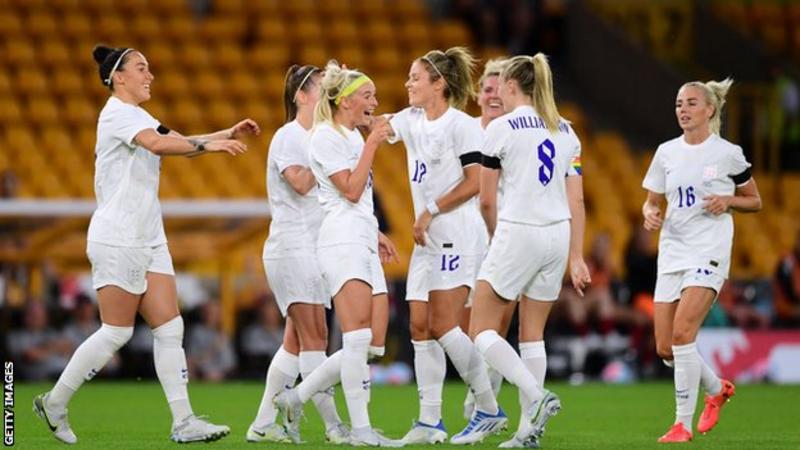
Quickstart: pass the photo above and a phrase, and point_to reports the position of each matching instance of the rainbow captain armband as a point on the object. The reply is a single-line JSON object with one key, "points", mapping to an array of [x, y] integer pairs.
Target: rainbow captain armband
{"points": [[575, 165], [350, 88]]}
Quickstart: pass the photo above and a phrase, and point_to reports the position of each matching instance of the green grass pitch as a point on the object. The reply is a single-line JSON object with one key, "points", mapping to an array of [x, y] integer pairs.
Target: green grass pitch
{"points": [[132, 415]]}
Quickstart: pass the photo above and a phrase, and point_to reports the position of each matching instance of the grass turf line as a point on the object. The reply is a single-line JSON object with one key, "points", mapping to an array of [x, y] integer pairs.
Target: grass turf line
{"points": [[132, 415]]}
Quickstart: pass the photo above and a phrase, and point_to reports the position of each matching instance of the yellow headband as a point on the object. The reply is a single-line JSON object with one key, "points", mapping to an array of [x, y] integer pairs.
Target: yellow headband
{"points": [[350, 88]]}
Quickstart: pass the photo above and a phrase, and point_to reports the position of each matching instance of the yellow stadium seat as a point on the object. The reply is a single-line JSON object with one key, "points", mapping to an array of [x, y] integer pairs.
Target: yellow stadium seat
{"points": [[5, 83], [187, 116], [158, 110], [222, 114], [335, 10], [307, 31], [299, 8], [242, 85], [379, 33], [264, 59], [10, 112], [41, 111], [413, 34], [352, 55], [30, 82], [54, 55], [113, 29], [78, 112], [66, 82], [160, 57], [272, 30], [75, 25], [222, 29], [41, 25], [207, 85], [19, 52], [145, 26], [170, 7], [314, 54], [179, 28], [451, 33], [263, 9], [10, 26], [229, 57], [194, 57], [368, 10], [264, 114], [172, 84], [230, 8], [385, 59], [409, 11], [342, 31]]}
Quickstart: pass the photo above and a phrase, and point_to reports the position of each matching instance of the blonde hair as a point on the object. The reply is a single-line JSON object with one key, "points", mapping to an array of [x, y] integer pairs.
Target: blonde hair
{"points": [[534, 77], [334, 80], [455, 65], [715, 93], [493, 68]]}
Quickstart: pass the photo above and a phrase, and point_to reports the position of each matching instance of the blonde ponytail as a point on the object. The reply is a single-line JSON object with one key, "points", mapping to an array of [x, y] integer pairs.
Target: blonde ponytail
{"points": [[715, 93], [534, 77], [455, 65]]}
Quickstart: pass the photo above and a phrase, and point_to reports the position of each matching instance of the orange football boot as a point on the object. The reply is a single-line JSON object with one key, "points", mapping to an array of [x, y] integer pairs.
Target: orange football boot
{"points": [[714, 403], [677, 433]]}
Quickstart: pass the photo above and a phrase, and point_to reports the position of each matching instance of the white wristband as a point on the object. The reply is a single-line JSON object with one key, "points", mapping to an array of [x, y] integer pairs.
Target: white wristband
{"points": [[432, 208]]}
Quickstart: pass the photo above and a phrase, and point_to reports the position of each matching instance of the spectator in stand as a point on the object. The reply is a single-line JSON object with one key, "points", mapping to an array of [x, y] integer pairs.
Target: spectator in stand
{"points": [[210, 350], [262, 338], [36, 348], [787, 287]]}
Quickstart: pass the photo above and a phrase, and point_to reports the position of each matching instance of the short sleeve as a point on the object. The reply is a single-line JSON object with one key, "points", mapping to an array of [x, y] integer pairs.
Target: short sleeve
{"points": [[329, 149], [289, 149], [739, 169], [575, 168], [127, 121], [655, 179], [468, 137], [494, 142], [400, 125]]}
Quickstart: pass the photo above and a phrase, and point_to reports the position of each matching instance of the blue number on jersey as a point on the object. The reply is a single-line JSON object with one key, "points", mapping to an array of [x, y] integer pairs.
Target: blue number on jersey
{"points": [[420, 169], [686, 197], [450, 263], [547, 151]]}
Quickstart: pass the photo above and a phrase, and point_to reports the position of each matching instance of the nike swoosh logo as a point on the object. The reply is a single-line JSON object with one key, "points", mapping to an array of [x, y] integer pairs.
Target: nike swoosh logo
{"points": [[262, 434]]}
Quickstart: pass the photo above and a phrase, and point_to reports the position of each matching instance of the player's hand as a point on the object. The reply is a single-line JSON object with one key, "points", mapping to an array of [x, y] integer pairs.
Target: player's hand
{"points": [[579, 273], [379, 131], [244, 128], [652, 217], [717, 204], [421, 227], [230, 146], [386, 249]]}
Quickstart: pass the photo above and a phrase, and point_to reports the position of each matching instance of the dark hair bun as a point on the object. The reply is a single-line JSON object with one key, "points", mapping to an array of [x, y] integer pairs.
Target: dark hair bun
{"points": [[101, 52]]}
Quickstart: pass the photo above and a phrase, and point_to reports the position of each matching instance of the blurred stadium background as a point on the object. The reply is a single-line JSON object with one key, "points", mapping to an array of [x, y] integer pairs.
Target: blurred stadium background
{"points": [[618, 65]]}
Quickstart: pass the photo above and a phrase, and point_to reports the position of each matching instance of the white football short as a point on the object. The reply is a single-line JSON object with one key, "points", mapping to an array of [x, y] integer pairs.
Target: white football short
{"points": [[127, 267], [296, 279], [528, 260], [669, 286], [341, 263], [439, 272]]}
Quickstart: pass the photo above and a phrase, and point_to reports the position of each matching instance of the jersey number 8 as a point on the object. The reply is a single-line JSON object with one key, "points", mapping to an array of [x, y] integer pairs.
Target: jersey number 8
{"points": [[547, 151]]}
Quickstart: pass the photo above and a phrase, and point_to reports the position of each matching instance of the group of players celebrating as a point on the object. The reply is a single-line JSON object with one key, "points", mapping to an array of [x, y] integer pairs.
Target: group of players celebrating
{"points": [[499, 217]]}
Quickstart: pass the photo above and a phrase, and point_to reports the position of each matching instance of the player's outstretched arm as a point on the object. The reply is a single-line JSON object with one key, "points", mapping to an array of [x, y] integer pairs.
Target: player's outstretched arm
{"points": [[169, 145]]}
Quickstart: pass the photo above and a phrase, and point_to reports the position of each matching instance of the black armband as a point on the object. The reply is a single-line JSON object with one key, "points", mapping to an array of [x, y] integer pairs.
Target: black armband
{"points": [[742, 178], [470, 158], [492, 162], [162, 129]]}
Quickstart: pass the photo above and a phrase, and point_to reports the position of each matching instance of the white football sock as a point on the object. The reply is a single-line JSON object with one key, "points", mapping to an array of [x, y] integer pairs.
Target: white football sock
{"points": [[281, 374], [471, 367], [534, 356], [687, 382], [355, 375], [325, 376], [89, 358], [170, 362], [708, 379], [324, 400], [502, 357], [430, 368]]}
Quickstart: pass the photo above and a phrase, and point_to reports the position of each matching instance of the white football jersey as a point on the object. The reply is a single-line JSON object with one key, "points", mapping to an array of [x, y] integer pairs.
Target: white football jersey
{"points": [[295, 218], [692, 238], [126, 177], [434, 150], [534, 165], [344, 222]]}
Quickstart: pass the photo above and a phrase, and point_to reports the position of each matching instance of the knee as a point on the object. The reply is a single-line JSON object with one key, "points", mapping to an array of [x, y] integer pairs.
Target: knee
{"points": [[439, 329], [118, 336], [682, 336], [170, 333], [418, 326]]}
